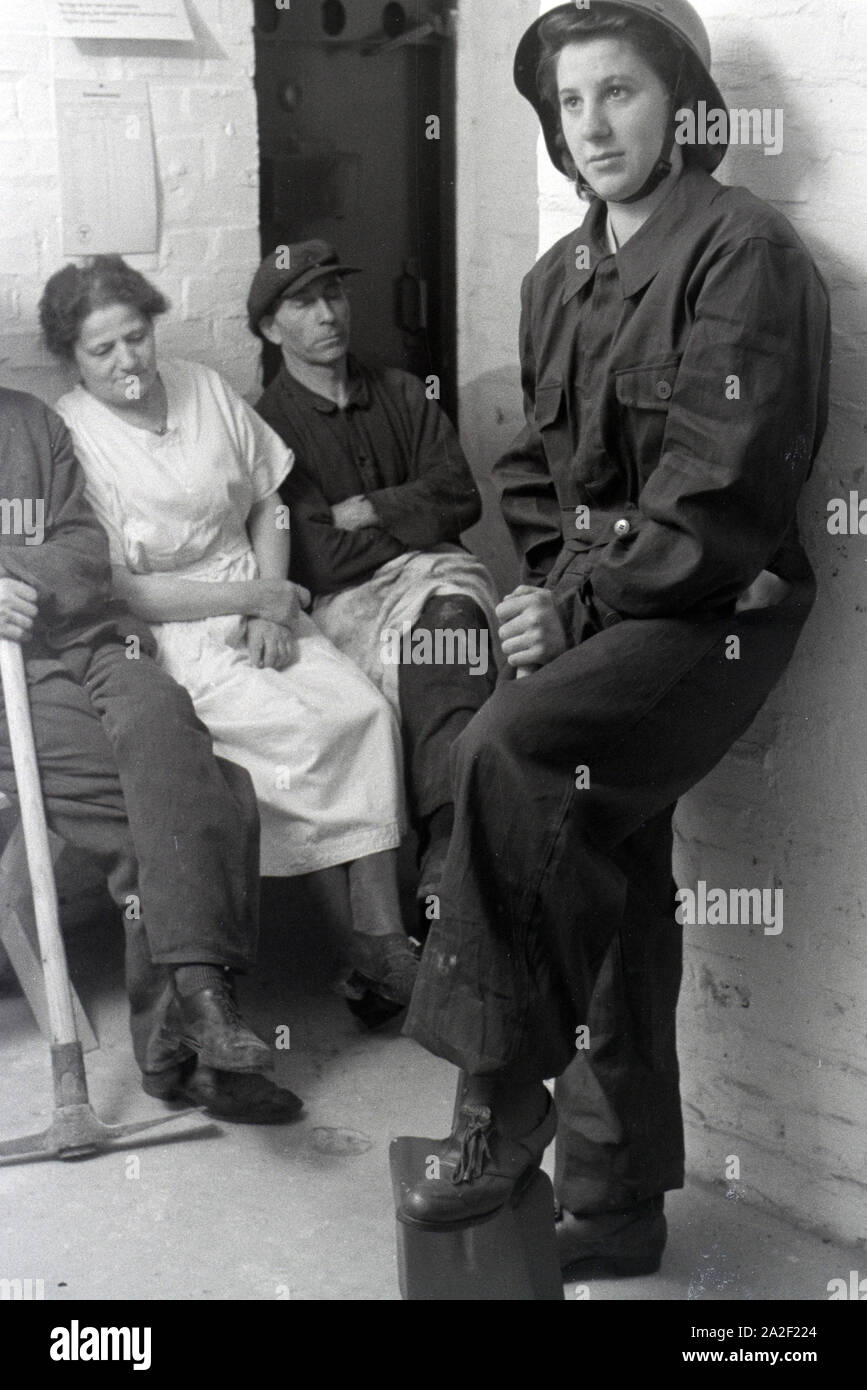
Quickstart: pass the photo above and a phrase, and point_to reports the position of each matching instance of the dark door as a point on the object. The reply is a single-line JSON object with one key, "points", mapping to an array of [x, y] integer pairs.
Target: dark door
{"points": [[356, 127]]}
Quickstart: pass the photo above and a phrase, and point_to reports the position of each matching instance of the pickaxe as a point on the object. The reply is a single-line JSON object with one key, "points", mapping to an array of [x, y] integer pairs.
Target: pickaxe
{"points": [[76, 1130]]}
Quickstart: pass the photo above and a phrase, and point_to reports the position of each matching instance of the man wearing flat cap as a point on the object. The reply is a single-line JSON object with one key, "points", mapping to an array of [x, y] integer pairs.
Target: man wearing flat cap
{"points": [[379, 496]]}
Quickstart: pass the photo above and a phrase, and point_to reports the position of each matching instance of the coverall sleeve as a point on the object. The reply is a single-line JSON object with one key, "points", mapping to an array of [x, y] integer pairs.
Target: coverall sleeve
{"points": [[528, 498], [70, 568], [440, 498], [746, 415], [326, 558]]}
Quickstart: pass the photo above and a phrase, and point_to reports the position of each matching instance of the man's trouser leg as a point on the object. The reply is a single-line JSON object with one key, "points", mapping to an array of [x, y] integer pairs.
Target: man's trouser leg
{"points": [[620, 1127], [194, 828], [194, 825], [552, 778], [85, 805], [437, 702]]}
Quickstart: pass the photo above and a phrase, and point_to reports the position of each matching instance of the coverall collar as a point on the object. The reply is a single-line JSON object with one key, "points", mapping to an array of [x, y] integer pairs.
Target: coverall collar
{"points": [[359, 392], [640, 259]]}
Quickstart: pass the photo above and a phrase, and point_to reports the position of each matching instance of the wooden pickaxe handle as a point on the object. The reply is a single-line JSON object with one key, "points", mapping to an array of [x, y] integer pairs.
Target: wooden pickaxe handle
{"points": [[57, 992]]}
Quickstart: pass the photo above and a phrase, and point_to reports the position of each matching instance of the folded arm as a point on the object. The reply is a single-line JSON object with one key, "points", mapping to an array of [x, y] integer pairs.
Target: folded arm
{"points": [[326, 556], [166, 598], [440, 499]]}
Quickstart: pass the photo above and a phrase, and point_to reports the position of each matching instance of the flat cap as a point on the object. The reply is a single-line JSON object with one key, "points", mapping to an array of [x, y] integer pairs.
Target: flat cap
{"points": [[291, 268]]}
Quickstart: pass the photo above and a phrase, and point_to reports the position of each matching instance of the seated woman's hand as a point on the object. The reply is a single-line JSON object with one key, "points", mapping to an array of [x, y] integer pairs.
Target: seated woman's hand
{"points": [[17, 609], [269, 644], [531, 633], [281, 601]]}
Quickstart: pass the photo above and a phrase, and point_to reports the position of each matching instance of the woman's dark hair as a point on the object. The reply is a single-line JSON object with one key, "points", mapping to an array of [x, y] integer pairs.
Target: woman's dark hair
{"points": [[75, 291], [661, 51]]}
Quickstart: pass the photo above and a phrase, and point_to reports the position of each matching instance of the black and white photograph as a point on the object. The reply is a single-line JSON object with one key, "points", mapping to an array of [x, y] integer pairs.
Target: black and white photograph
{"points": [[433, 801]]}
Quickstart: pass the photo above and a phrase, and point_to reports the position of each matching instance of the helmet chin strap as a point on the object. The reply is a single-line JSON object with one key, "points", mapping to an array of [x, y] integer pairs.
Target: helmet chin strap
{"points": [[659, 172]]}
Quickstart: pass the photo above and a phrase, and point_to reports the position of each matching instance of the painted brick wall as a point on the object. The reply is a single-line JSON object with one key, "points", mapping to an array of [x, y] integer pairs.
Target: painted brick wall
{"points": [[773, 1039], [204, 119], [497, 239]]}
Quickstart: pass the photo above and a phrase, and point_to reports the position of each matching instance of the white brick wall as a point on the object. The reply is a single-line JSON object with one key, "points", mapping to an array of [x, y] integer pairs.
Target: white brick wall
{"points": [[772, 1028], [204, 117], [497, 236]]}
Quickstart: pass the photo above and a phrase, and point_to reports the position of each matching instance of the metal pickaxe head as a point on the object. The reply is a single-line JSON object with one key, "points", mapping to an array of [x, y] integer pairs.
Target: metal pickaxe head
{"points": [[76, 1131]]}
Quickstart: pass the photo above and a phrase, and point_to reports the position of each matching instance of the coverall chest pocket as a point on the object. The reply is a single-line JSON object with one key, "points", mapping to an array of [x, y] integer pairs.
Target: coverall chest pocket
{"points": [[643, 398], [552, 421]]}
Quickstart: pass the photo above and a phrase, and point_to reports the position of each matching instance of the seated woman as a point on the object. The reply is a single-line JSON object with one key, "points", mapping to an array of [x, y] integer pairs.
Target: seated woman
{"points": [[128, 775], [675, 367], [184, 477]]}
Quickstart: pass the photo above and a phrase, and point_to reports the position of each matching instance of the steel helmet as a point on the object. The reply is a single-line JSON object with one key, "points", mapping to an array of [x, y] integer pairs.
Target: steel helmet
{"points": [[676, 17]]}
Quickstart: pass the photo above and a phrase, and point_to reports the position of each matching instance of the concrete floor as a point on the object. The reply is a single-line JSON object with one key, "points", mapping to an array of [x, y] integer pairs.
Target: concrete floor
{"points": [[301, 1211]]}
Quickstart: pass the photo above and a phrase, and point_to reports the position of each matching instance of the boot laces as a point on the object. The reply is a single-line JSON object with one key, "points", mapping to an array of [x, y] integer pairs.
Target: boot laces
{"points": [[474, 1144], [228, 1002]]}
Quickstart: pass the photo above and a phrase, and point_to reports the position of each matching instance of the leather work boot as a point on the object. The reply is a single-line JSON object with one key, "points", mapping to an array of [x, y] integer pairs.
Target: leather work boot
{"points": [[209, 1023], [242, 1099], [613, 1242], [476, 1171]]}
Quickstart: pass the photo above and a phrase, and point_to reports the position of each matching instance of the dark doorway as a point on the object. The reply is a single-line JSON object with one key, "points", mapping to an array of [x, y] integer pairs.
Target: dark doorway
{"points": [[356, 107]]}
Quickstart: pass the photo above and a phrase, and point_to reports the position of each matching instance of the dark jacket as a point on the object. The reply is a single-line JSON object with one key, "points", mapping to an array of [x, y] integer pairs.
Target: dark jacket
{"points": [[676, 391], [390, 444], [69, 568]]}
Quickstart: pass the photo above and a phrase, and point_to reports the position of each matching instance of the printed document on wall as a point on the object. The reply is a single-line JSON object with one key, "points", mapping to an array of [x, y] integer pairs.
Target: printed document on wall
{"points": [[108, 188], [119, 19]]}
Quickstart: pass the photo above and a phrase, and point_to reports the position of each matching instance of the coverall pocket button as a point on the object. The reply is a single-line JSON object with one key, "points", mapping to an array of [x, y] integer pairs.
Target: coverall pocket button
{"points": [[621, 527], [663, 390]]}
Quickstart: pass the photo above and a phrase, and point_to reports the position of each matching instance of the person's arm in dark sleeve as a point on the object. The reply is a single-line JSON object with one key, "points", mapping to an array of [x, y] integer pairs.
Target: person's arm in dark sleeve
{"points": [[326, 558], [716, 508], [528, 499], [440, 499], [70, 568]]}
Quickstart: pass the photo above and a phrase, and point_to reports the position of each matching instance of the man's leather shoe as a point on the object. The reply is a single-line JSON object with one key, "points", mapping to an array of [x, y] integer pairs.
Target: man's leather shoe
{"points": [[477, 1171], [246, 1100], [209, 1023], [614, 1242], [367, 1005], [386, 964]]}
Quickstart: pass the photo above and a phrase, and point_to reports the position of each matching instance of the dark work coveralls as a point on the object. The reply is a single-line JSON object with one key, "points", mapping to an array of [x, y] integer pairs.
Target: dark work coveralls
{"points": [[127, 769], [675, 397], [399, 450]]}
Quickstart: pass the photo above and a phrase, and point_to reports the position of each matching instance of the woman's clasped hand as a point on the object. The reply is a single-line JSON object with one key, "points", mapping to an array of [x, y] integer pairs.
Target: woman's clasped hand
{"points": [[269, 635]]}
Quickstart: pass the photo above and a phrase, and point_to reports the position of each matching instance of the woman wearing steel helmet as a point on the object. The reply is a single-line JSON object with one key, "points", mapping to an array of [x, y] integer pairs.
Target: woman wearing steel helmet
{"points": [[674, 357]]}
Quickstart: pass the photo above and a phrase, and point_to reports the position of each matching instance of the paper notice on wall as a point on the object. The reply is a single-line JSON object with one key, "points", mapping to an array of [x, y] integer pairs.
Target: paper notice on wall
{"points": [[119, 19], [108, 192]]}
